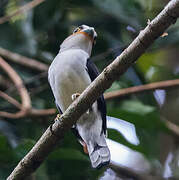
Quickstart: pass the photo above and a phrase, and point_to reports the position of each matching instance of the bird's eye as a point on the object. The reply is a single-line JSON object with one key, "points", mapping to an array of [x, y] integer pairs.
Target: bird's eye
{"points": [[81, 27], [76, 30]]}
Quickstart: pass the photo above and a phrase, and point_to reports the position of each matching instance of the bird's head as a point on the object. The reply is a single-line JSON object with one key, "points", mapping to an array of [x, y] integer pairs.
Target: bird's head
{"points": [[83, 37], [87, 31]]}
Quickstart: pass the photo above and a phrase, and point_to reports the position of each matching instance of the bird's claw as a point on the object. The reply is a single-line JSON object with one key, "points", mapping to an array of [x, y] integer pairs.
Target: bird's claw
{"points": [[85, 149], [56, 119], [75, 96]]}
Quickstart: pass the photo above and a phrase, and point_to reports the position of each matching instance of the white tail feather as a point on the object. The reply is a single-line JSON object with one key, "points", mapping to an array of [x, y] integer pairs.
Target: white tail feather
{"points": [[100, 156]]}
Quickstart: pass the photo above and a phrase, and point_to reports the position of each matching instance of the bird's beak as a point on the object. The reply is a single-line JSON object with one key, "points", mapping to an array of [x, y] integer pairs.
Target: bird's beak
{"points": [[90, 32]]}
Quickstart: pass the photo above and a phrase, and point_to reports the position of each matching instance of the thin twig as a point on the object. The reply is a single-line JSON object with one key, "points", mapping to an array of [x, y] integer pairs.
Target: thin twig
{"points": [[25, 107], [141, 88], [31, 112], [42, 112], [25, 98], [49, 140], [125, 172], [22, 60], [10, 99], [173, 127], [28, 81], [21, 10], [107, 96]]}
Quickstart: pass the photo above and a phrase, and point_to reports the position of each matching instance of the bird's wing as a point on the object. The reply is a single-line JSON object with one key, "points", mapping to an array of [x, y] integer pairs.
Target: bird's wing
{"points": [[51, 81], [93, 73], [58, 107]]}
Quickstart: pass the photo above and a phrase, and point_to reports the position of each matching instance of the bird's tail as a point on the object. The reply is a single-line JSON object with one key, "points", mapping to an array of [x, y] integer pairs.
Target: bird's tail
{"points": [[100, 156]]}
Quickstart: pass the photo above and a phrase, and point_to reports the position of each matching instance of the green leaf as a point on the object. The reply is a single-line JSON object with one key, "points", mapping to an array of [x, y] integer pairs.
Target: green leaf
{"points": [[11, 8], [150, 59], [158, 73], [115, 86], [137, 107]]}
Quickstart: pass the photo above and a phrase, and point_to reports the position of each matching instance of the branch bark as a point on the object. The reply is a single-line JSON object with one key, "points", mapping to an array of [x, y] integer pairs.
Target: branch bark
{"points": [[27, 62], [21, 10], [125, 172], [10, 99], [48, 141], [25, 108], [141, 88], [30, 112], [26, 101], [108, 96]]}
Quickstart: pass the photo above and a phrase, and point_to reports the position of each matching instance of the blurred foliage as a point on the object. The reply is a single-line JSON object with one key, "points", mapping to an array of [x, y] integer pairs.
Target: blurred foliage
{"points": [[39, 32]]}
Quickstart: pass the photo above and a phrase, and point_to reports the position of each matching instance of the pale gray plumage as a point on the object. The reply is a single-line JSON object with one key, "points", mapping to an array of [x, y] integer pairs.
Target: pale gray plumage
{"points": [[68, 74]]}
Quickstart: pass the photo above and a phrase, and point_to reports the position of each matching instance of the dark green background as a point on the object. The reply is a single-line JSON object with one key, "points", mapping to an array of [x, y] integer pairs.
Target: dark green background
{"points": [[38, 34]]}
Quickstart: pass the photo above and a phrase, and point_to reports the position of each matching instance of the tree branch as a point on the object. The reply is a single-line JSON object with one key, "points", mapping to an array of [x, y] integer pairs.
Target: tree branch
{"points": [[125, 172], [21, 10], [31, 112], [173, 127], [27, 62], [107, 96], [141, 88], [26, 102], [48, 141], [42, 112], [25, 108], [10, 99]]}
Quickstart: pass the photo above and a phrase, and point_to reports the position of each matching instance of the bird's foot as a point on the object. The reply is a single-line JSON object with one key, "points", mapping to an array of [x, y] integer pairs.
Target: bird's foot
{"points": [[85, 149], [56, 119], [75, 96]]}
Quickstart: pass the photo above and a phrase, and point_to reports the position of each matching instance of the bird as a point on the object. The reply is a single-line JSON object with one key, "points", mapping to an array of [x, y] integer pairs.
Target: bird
{"points": [[69, 74]]}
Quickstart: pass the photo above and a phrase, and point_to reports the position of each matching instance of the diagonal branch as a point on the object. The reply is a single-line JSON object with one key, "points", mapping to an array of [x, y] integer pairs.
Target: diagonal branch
{"points": [[10, 99], [48, 141], [26, 101], [25, 61], [31, 112], [25, 107], [22, 9]]}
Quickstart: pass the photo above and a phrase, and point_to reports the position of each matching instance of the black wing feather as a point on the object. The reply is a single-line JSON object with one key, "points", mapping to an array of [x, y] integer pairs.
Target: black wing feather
{"points": [[74, 130], [93, 73], [58, 107]]}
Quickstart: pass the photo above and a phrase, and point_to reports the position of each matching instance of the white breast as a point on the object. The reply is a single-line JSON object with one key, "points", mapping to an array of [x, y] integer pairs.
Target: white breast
{"points": [[68, 75]]}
